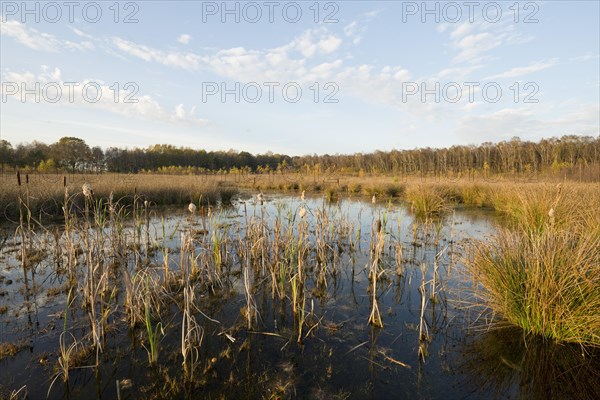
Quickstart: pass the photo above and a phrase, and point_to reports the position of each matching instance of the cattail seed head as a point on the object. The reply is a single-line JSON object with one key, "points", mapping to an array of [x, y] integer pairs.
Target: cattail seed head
{"points": [[302, 212], [87, 190]]}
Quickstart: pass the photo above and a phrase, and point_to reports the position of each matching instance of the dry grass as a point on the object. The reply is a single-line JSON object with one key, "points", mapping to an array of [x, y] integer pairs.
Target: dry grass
{"points": [[427, 195], [47, 191]]}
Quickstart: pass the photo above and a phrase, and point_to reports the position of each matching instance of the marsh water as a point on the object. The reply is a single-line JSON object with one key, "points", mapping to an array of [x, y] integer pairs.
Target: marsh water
{"points": [[434, 343]]}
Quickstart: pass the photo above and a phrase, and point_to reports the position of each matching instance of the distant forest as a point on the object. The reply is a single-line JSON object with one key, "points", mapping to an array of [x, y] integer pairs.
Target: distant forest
{"points": [[571, 154]]}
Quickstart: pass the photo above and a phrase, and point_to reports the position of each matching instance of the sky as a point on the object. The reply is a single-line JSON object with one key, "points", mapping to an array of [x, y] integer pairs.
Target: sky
{"points": [[304, 77]]}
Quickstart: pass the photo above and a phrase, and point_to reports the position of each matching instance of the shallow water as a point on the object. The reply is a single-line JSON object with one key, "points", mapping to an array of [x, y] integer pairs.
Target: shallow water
{"points": [[340, 354]]}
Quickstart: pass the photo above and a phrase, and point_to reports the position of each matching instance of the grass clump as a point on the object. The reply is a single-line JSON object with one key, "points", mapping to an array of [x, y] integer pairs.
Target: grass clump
{"points": [[354, 187], [476, 195], [426, 201], [543, 272], [394, 190]]}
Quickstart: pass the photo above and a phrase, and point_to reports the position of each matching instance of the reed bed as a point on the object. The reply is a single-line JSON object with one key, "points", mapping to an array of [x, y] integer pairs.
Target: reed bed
{"points": [[429, 195], [46, 191]]}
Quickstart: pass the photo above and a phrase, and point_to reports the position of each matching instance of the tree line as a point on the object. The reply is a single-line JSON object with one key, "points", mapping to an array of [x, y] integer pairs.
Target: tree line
{"points": [[72, 154]]}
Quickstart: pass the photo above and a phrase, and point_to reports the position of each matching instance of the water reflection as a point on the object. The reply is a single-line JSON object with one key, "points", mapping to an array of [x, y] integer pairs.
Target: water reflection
{"points": [[506, 363], [309, 340]]}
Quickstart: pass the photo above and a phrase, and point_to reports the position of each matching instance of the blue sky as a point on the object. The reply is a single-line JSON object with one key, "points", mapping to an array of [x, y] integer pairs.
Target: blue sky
{"points": [[372, 75]]}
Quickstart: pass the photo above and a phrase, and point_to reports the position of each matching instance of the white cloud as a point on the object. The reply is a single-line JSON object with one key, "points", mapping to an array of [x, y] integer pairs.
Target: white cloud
{"points": [[36, 40], [80, 33], [288, 62], [504, 123], [356, 29], [461, 30], [180, 111], [312, 42], [474, 41], [520, 71], [187, 61], [145, 108], [81, 46], [457, 73], [586, 57], [472, 47], [30, 37], [350, 28], [329, 44], [324, 70], [355, 32], [527, 124], [184, 38], [372, 14], [307, 59]]}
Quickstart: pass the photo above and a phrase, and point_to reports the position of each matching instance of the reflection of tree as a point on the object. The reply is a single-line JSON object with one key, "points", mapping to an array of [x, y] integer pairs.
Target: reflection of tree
{"points": [[503, 360]]}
